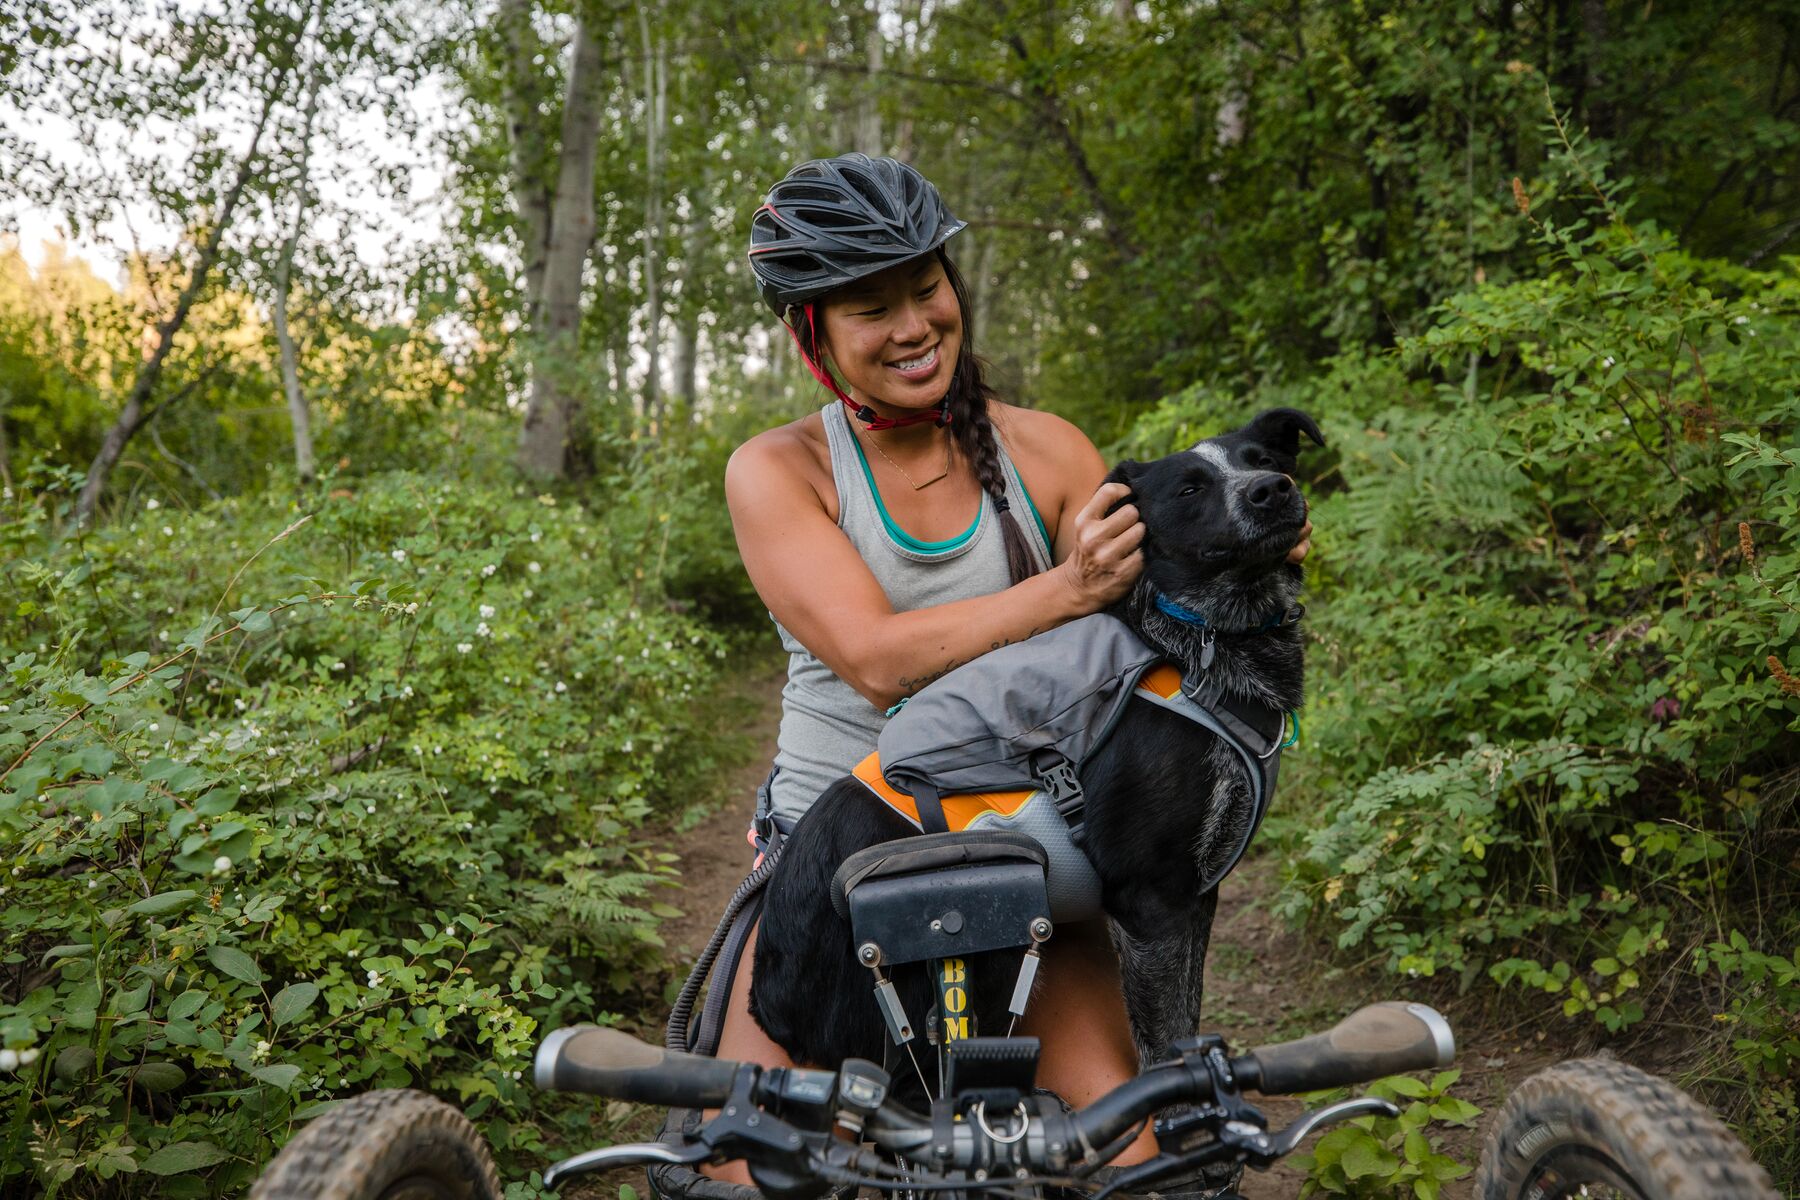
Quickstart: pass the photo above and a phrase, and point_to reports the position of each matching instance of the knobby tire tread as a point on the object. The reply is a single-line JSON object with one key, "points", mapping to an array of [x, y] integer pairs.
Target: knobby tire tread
{"points": [[369, 1142], [1670, 1145]]}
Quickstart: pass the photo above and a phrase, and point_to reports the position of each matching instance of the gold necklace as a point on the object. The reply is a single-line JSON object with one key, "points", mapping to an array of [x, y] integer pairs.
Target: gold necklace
{"points": [[870, 438]]}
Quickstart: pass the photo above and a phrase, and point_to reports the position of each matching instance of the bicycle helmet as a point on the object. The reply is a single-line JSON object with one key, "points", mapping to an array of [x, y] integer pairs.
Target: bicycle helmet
{"points": [[834, 220]]}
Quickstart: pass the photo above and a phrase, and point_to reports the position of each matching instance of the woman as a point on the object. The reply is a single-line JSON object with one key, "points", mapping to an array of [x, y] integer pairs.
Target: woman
{"points": [[912, 525]]}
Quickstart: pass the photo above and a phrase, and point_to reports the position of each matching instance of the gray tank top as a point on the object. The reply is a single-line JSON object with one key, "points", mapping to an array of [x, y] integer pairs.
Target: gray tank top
{"points": [[827, 727]]}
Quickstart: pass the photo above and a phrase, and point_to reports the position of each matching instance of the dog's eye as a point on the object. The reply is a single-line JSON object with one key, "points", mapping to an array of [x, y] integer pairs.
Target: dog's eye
{"points": [[1189, 490]]}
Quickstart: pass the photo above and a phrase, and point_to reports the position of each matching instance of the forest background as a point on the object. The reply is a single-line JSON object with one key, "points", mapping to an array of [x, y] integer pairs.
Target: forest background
{"points": [[367, 571]]}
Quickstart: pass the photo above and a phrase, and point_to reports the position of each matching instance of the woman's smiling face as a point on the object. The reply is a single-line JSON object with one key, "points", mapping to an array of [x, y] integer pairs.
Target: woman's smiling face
{"points": [[894, 337]]}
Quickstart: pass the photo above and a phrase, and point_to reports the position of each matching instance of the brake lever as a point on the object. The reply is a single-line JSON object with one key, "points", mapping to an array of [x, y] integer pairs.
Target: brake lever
{"points": [[634, 1154], [1283, 1143]]}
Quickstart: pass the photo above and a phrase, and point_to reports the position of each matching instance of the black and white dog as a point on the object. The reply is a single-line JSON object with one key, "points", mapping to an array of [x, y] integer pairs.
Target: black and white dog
{"points": [[1167, 801]]}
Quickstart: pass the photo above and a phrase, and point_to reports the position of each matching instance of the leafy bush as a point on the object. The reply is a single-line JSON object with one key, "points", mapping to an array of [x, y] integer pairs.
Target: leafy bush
{"points": [[1390, 1156], [357, 815]]}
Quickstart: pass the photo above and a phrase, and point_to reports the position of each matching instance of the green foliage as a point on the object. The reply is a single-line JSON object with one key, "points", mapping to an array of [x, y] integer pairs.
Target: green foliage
{"points": [[1373, 1157], [358, 812]]}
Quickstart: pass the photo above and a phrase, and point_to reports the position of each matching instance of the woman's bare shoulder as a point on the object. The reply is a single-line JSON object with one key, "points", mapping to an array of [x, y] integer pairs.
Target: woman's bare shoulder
{"points": [[784, 460], [1038, 437]]}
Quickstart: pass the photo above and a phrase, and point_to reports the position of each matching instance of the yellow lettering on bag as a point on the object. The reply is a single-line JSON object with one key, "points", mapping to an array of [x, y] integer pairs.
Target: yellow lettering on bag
{"points": [[953, 970], [955, 999], [956, 1027]]}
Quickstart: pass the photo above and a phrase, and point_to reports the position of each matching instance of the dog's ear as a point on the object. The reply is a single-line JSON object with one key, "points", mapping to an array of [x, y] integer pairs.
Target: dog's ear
{"points": [[1124, 473], [1280, 428]]}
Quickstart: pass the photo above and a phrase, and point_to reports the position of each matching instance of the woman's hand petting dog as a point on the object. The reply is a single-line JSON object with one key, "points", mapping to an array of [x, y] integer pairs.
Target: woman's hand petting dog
{"points": [[1107, 557]]}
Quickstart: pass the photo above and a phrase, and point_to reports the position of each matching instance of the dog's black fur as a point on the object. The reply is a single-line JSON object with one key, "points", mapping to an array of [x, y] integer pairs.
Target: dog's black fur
{"points": [[1166, 800]]}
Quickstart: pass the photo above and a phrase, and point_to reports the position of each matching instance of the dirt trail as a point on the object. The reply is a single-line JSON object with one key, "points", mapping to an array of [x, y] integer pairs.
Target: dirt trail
{"points": [[1264, 981]]}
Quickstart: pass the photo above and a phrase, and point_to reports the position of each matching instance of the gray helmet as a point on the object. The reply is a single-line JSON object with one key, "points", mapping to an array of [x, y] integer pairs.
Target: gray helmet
{"points": [[834, 220]]}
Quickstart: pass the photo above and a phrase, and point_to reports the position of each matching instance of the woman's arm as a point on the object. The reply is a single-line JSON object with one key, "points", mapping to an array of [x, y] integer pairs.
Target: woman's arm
{"points": [[817, 585]]}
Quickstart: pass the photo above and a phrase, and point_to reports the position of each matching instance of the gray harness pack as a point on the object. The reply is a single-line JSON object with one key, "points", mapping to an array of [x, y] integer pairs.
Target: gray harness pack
{"points": [[1029, 716]]}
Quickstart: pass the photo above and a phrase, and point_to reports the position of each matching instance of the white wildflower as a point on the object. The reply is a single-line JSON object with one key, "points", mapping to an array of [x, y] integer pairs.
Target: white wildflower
{"points": [[370, 807], [1740, 320], [561, 686], [9, 1061], [240, 704], [28, 1055], [533, 567], [1607, 361], [221, 864], [412, 608], [482, 630], [338, 666], [487, 611], [536, 536], [151, 505], [168, 532], [489, 570], [406, 692], [374, 978], [528, 593], [154, 726], [397, 554], [262, 1049], [464, 647]]}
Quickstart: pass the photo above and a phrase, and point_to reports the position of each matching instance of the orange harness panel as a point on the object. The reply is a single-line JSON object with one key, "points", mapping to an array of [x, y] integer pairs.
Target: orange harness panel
{"points": [[958, 810]]}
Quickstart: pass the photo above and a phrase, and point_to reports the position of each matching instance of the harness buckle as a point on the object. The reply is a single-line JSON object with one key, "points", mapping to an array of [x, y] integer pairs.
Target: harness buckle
{"points": [[1060, 783]]}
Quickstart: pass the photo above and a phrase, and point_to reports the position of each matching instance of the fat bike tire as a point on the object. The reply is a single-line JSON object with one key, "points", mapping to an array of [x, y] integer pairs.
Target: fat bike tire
{"points": [[1598, 1128], [396, 1144]]}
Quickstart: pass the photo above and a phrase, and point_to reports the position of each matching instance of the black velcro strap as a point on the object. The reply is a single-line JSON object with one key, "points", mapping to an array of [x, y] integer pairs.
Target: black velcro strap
{"points": [[931, 808]]}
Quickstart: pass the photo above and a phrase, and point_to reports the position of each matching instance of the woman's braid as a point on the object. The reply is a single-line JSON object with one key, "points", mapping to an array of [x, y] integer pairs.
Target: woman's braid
{"points": [[973, 432]]}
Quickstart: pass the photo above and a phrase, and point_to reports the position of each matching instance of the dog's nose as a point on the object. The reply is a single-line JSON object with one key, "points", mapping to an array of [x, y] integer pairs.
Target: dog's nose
{"points": [[1268, 490]]}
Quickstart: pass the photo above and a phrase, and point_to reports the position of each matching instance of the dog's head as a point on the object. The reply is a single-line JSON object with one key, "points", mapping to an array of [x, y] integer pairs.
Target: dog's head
{"points": [[1223, 515]]}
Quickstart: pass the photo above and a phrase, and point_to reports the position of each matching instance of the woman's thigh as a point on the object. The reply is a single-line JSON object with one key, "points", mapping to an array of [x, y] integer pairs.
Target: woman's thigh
{"points": [[1078, 1013]]}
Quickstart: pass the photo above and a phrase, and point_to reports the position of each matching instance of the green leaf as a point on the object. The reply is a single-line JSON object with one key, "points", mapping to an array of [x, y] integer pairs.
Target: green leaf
{"points": [[281, 1075], [256, 622], [235, 963], [1366, 1157], [186, 1005], [292, 1001], [163, 902], [159, 1077], [75, 1063], [178, 1157], [1406, 1085]]}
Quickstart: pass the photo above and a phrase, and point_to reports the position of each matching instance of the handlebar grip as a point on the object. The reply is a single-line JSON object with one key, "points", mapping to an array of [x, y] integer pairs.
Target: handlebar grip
{"points": [[1389, 1038], [610, 1062]]}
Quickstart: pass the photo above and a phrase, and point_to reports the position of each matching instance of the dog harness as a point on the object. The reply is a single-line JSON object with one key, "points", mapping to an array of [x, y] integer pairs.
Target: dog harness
{"points": [[1000, 743]]}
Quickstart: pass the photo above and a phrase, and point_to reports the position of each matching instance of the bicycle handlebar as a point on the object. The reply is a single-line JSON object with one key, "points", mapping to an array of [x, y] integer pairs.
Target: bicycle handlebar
{"points": [[1389, 1038], [1382, 1039], [610, 1062]]}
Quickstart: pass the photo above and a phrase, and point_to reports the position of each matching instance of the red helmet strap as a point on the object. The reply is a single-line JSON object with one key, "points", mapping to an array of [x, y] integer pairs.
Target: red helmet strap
{"points": [[938, 414]]}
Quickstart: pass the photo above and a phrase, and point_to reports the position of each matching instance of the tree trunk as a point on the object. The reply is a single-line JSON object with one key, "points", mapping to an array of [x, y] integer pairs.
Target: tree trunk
{"points": [[531, 155], [136, 410], [298, 414], [655, 112], [868, 125], [5, 452], [551, 409]]}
